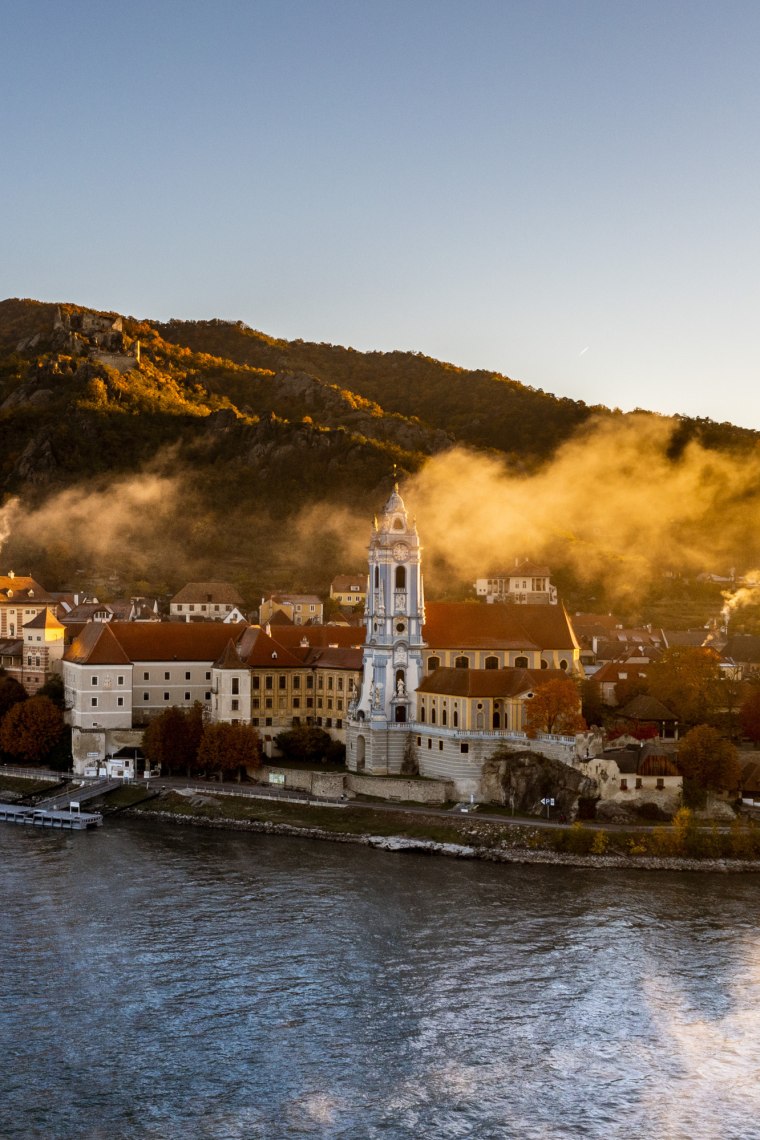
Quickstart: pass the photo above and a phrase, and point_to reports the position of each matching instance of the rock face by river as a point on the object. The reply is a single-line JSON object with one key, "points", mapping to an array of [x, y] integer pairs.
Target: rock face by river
{"points": [[523, 779]]}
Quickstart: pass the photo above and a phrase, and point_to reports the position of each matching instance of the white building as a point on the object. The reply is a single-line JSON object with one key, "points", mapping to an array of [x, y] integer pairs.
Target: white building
{"points": [[525, 584]]}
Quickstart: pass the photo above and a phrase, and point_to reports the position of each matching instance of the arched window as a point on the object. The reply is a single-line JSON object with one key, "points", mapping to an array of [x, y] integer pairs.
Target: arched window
{"points": [[397, 524], [492, 662], [497, 720], [432, 715], [433, 663], [456, 718], [377, 577], [444, 717], [521, 662], [544, 664], [563, 664], [422, 714], [400, 577], [462, 663]]}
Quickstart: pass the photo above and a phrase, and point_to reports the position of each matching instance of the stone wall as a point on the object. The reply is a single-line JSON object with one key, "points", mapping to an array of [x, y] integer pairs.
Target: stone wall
{"points": [[312, 780], [398, 788]]}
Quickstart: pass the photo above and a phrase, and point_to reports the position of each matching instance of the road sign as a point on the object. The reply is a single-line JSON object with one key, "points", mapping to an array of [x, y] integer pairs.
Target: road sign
{"points": [[548, 802]]}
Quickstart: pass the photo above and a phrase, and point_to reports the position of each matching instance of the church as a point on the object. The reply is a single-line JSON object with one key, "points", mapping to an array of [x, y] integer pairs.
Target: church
{"points": [[444, 684]]}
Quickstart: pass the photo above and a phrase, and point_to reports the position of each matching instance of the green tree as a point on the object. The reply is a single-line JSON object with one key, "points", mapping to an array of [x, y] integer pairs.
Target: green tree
{"points": [[31, 730], [227, 748], [708, 762], [555, 707], [304, 743], [53, 688], [11, 693]]}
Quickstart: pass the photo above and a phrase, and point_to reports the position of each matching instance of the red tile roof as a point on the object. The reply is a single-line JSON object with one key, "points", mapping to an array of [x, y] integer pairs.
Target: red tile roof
{"points": [[507, 682], [470, 625]]}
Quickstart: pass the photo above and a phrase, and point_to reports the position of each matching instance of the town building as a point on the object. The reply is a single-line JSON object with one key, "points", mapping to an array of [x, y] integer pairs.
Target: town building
{"points": [[300, 609], [527, 584], [21, 599], [349, 589], [205, 601]]}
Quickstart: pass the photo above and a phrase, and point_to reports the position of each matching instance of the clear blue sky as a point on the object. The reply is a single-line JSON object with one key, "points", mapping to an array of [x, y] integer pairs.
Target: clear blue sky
{"points": [[564, 192]]}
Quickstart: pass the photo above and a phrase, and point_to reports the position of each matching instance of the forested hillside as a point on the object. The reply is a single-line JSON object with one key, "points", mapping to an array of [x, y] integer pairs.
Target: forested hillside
{"points": [[196, 447]]}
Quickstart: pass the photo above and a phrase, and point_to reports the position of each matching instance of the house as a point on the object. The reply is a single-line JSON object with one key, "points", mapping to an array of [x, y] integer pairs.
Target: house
{"points": [[204, 601], [348, 589], [465, 636], [743, 651], [21, 599], [526, 584], [300, 608]]}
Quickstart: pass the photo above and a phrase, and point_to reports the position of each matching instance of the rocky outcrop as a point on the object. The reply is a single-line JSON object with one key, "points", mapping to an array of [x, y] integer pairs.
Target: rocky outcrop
{"points": [[521, 780]]}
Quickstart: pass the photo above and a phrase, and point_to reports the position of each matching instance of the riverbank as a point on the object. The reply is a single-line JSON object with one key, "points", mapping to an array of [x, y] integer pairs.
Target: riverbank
{"points": [[465, 837]]}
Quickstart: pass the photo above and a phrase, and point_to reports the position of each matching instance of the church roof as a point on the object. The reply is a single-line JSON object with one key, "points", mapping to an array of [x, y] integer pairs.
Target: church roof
{"points": [[507, 682], [468, 625]]}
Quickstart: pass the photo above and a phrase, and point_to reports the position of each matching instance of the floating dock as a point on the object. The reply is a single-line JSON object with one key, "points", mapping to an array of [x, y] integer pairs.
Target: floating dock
{"points": [[49, 817]]}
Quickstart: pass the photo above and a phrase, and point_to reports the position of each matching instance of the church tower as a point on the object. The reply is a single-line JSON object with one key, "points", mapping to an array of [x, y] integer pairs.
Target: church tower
{"points": [[392, 665]]}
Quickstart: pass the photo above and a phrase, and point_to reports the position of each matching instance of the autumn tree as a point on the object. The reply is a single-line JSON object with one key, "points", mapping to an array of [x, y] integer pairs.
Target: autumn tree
{"points": [[708, 762], [172, 738], [227, 748], [555, 707], [687, 679], [31, 730]]}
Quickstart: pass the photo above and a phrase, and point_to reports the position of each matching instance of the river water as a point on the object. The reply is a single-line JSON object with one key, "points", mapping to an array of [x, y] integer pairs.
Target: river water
{"points": [[162, 982]]}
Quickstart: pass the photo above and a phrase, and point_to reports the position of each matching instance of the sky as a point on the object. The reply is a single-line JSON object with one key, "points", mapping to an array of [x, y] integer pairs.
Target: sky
{"points": [[564, 192]]}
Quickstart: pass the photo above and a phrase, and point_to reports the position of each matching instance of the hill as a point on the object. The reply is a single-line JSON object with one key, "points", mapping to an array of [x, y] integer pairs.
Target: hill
{"points": [[153, 453]]}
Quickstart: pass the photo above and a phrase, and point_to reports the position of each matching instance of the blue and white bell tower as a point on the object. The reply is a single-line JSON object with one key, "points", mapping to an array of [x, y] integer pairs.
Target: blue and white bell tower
{"points": [[392, 664]]}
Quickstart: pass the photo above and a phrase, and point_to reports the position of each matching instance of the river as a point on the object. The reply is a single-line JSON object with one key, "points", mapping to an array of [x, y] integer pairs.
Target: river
{"points": [[166, 981]]}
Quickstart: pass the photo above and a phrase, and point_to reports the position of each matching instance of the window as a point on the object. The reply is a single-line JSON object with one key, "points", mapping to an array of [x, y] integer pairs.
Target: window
{"points": [[456, 718], [296, 682], [257, 683], [235, 705], [146, 676], [187, 676], [119, 680], [329, 683], [120, 702], [167, 676], [296, 702], [94, 702], [430, 743], [207, 696], [464, 748], [563, 664], [256, 703], [440, 746], [94, 679], [462, 662], [187, 696], [255, 722], [340, 684], [419, 741], [310, 702], [433, 663], [339, 723], [623, 784], [146, 696], [267, 720], [400, 578], [432, 715], [521, 662], [268, 682], [268, 703], [492, 662], [282, 681], [208, 676], [320, 682], [310, 682], [660, 783], [236, 685], [166, 696], [638, 783], [422, 713]]}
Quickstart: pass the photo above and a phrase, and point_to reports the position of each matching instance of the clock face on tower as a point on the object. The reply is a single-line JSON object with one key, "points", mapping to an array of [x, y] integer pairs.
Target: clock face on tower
{"points": [[400, 551]]}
